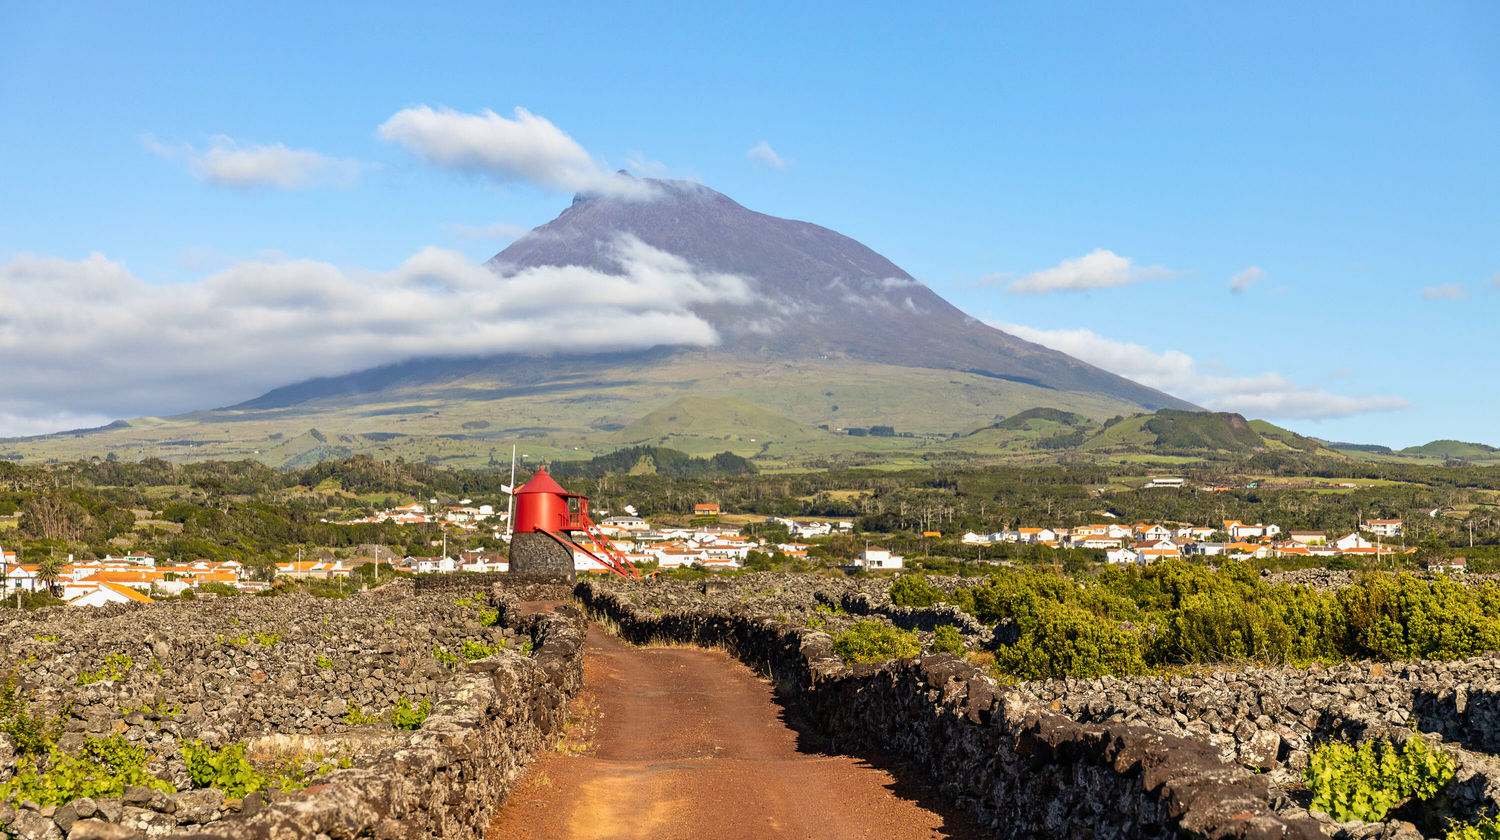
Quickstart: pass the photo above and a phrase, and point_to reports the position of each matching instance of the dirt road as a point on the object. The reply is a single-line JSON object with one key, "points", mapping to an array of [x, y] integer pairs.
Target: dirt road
{"points": [[687, 743]]}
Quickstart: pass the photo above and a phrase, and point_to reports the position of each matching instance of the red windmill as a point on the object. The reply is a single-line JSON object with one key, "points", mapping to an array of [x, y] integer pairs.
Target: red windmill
{"points": [[546, 522]]}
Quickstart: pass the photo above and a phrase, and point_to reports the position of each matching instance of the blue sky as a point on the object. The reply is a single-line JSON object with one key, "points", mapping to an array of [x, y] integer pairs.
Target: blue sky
{"points": [[1098, 177]]}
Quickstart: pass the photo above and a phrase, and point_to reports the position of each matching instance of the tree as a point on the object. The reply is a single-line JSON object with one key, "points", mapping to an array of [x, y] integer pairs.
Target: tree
{"points": [[49, 570], [53, 516]]}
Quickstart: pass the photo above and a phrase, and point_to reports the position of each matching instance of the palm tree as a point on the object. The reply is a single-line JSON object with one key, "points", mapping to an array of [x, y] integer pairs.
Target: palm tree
{"points": [[49, 570]]}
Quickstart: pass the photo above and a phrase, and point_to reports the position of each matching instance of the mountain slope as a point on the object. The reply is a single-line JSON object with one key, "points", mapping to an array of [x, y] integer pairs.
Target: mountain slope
{"points": [[816, 292]]}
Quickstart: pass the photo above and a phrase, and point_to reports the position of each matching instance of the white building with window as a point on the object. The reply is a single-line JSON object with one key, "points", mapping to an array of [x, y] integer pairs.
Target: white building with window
{"points": [[875, 558]]}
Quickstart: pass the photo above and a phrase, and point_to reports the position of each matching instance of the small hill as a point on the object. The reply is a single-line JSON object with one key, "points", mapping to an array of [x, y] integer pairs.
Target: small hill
{"points": [[1455, 449], [654, 460], [305, 450], [716, 418], [1170, 430], [1033, 419], [1286, 437]]}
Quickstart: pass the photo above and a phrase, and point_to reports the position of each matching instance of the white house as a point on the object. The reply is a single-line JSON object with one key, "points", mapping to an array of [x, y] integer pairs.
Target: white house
{"points": [[1383, 527], [433, 565], [1205, 549], [1037, 535], [625, 523], [109, 593], [1122, 556], [1308, 537], [1164, 481], [1241, 531], [1452, 565], [877, 558], [1352, 540], [1096, 542]]}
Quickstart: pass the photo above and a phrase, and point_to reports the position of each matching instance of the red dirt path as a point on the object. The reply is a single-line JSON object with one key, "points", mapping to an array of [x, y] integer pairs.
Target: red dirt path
{"points": [[686, 743]]}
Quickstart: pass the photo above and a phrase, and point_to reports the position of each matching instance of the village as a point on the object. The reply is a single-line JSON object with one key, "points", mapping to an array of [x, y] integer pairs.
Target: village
{"points": [[137, 577], [706, 544], [1144, 543]]}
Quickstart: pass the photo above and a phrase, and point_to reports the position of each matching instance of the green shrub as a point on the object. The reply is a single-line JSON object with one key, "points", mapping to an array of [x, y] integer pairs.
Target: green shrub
{"points": [[324, 661], [1064, 640], [105, 767], [1486, 829], [475, 651], [267, 639], [115, 668], [1366, 782], [873, 641], [947, 639], [488, 618], [33, 732], [355, 716], [914, 591], [226, 769], [407, 716], [444, 656]]}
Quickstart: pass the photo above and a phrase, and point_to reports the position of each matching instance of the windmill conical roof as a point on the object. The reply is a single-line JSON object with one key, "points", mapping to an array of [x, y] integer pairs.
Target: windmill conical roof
{"points": [[542, 483]]}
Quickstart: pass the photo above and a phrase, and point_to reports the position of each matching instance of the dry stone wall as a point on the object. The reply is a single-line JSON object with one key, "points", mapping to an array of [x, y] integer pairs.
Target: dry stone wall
{"points": [[281, 674]]}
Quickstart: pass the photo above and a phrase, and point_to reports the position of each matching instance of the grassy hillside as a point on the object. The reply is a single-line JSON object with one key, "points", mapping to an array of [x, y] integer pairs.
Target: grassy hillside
{"points": [[1453, 449], [582, 410], [728, 419]]}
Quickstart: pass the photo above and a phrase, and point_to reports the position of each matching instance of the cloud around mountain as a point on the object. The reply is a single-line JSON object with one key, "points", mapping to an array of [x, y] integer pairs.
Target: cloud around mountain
{"points": [[523, 149], [1269, 394], [87, 339]]}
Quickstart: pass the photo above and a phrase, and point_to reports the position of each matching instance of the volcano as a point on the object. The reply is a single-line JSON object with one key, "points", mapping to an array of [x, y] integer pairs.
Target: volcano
{"points": [[817, 293]]}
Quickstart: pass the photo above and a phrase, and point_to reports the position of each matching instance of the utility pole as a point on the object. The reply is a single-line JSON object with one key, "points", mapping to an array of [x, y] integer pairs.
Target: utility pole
{"points": [[510, 497]]}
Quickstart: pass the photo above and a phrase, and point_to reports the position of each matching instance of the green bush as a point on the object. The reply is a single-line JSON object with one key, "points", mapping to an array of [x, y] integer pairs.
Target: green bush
{"points": [[1366, 782], [407, 716], [475, 651], [115, 668], [1486, 829], [914, 591], [1064, 640], [355, 716], [32, 732], [873, 641], [105, 767], [947, 639], [226, 769]]}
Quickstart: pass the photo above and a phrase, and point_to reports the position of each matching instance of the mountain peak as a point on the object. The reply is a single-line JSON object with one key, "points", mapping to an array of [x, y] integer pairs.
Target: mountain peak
{"points": [[815, 293]]}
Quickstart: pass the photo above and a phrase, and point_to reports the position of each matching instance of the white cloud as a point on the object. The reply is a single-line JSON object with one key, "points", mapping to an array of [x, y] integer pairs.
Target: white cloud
{"points": [[1098, 269], [492, 231], [88, 338], [1451, 291], [226, 163], [1267, 395], [1495, 280], [527, 149], [763, 153], [1241, 282], [638, 163]]}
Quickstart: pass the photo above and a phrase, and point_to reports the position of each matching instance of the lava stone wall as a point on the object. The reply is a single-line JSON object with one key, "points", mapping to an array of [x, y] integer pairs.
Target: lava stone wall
{"points": [[1021, 768], [211, 670]]}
